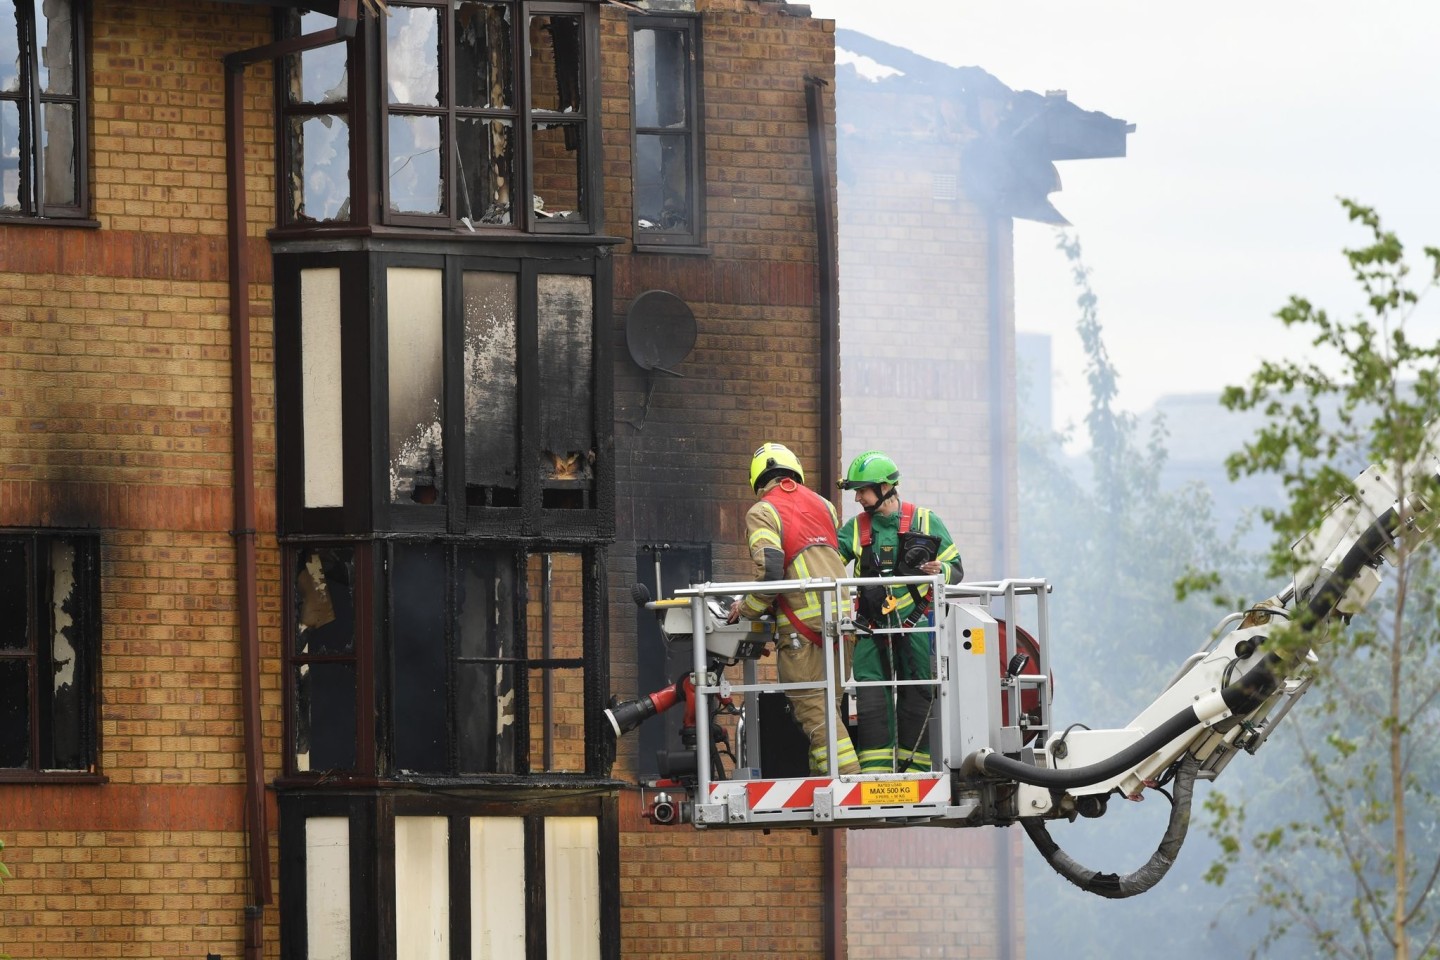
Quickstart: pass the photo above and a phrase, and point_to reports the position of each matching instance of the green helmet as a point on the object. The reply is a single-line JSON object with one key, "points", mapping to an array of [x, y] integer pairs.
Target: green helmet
{"points": [[870, 468]]}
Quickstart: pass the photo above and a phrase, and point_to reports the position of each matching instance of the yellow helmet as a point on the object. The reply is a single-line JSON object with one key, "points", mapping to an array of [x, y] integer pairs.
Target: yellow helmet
{"points": [[770, 458]]}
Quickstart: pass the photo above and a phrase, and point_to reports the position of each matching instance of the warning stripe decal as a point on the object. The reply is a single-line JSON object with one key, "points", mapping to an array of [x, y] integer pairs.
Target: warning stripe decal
{"points": [[769, 795]]}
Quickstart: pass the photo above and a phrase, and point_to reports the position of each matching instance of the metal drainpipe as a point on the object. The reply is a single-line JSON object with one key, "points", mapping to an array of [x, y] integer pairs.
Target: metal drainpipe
{"points": [[833, 845], [242, 426], [999, 511]]}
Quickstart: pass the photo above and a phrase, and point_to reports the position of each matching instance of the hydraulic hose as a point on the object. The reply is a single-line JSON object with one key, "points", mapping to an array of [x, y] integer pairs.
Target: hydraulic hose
{"points": [[1240, 697], [1000, 766], [1112, 886]]}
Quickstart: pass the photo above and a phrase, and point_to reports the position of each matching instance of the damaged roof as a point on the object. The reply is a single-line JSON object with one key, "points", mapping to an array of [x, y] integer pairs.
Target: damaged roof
{"points": [[1008, 140]]}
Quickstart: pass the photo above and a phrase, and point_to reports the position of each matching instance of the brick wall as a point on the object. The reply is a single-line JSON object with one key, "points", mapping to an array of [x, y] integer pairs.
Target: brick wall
{"points": [[683, 446], [115, 410], [915, 341]]}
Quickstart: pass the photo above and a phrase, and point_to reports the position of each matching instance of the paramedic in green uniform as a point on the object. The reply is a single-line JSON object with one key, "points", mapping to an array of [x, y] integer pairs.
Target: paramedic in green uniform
{"points": [[894, 724]]}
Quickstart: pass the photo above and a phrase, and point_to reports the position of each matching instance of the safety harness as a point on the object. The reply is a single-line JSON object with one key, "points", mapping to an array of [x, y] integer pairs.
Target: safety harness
{"points": [[871, 566]]}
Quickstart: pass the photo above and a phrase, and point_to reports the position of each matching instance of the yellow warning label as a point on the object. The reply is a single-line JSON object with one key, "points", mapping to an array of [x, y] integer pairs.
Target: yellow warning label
{"points": [[977, 640], [890, 791]]}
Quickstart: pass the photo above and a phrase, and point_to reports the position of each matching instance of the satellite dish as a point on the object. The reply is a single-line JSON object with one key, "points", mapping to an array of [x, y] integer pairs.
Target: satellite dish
{"points": [[660, 331]]}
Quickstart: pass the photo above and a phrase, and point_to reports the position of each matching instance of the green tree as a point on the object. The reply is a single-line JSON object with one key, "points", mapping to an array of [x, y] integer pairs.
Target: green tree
{"points": [[1351, 873]]}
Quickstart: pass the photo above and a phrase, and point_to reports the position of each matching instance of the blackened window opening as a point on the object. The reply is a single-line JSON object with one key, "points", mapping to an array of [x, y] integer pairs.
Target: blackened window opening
{"points": [[523, 349], [505, 144], [668, 202], [323, 664], [488, 655], [49, 646]]}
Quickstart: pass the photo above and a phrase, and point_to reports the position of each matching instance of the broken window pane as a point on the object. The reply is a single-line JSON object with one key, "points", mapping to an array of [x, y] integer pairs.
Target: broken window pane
{"points": [[485, 671], [555, 631], [414, 175], [418, 618], [416, 382], [319, 75], [9, 52], [565, 313], [66, 668], [492, 405], [54, 33], [485, 164], [57, 152], [661, 78], [325, 691], [325, 601], [666, 161], [558, 166], [48, 636], [412, 55], [555, 63], [320, 168], [662, 183], [10, 164], [484, 59]]}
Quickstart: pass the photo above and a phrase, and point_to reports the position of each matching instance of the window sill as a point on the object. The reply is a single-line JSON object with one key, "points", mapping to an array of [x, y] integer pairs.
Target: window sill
{"points": [[77, 223], [48, 777], [682, 249]]}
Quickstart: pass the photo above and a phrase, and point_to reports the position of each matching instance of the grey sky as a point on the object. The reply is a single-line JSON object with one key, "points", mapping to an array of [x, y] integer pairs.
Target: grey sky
{"points": [[1252, 117]]}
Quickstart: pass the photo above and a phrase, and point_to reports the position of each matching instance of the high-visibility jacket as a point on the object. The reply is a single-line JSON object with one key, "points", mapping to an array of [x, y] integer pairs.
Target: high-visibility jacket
{"points": [[873, 541], [790, 531]]}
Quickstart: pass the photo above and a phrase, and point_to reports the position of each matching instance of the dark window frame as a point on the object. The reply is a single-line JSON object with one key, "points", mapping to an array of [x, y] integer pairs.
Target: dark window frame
{"points": [[693, 240], [377, 700], [40, 632], [528, 657], [523, 115], [289, 25], [372, 864], [363, 291], [361, 655], [532, 515], [29, 100]]}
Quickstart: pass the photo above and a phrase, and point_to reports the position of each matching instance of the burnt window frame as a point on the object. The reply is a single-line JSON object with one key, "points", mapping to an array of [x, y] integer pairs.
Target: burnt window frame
{"points": [[374, 652], [529, 657], [289, 25], [86, 651], [29, 101], [531, 514], [361, 655], [363, 361], [523, 115], [371, 855], [693, 240]]}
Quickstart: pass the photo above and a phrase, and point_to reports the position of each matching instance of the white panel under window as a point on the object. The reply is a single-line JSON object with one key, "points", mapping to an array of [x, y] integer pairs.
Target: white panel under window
{"points": [[414, 319], [320, 398], [422, 888], [572, 888], [327, 888], [497, 888]]}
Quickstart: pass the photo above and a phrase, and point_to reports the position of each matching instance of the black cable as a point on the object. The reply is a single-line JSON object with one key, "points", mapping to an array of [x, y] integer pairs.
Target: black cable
{"points": [[1112, 886]]}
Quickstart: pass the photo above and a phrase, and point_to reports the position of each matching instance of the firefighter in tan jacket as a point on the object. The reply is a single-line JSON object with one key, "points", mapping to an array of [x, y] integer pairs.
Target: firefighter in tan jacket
{"points": [[790, 531]]}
